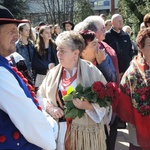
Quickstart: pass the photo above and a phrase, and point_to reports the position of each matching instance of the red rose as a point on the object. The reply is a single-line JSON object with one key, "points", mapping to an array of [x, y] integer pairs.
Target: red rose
{"points": [[97, 86], [110, 92], [111, 89], [102, 93]]}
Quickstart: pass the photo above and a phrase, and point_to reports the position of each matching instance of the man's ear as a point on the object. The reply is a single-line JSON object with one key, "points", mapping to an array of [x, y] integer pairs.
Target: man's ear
{"points": [[77, 52]]}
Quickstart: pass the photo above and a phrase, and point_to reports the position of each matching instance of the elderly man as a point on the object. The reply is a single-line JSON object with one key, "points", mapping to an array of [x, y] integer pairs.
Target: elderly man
{"points": [[120, 42], [96, 24], [22, 125]]}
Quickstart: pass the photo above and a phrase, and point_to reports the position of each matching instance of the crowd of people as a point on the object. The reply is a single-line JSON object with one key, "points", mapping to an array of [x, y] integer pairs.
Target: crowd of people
{"points": [[39, 67]]}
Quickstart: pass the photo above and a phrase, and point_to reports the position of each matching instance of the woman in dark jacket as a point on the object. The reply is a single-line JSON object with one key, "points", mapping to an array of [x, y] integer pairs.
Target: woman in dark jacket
{"points": [[25, 47], [44, 57]]}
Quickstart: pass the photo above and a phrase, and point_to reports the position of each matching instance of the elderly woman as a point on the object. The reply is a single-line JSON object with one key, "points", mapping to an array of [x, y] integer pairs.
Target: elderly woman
{"points": [[88, 131], [134, 105]]}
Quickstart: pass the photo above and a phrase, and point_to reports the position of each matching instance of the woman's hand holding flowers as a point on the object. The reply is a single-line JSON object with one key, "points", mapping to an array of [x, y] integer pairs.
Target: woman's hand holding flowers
{"points": [[85, 104]]}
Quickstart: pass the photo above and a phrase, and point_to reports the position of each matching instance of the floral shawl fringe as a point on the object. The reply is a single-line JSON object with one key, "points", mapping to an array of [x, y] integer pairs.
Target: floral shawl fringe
{"points": [[136, 77]]}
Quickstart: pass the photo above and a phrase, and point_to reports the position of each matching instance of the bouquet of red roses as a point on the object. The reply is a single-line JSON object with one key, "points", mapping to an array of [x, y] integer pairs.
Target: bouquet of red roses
{"points": [[97, 93]]}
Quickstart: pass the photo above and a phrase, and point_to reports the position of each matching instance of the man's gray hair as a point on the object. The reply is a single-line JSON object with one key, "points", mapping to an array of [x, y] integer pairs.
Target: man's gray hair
{"points": [[93, 23]]}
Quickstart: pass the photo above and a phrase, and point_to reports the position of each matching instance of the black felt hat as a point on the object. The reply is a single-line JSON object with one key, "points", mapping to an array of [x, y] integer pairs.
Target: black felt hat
{"points": [[68, 22], [7, 17]]}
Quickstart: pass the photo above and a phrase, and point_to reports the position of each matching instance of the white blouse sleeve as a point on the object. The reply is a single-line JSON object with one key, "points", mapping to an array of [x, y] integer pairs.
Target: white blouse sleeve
{"points": [[100, 114], [31, 122]]}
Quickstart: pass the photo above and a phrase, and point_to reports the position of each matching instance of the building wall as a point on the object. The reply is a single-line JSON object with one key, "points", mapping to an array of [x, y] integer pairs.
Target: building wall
{"points": [[103, 6]]}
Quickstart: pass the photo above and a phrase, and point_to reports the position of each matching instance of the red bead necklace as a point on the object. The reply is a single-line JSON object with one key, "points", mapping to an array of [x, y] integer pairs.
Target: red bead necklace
{"points": [[31, 89], [67, 81]]}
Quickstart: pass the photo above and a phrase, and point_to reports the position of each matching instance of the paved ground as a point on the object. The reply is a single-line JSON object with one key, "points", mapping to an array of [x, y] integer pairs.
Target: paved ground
{"points": [[122, 142]]}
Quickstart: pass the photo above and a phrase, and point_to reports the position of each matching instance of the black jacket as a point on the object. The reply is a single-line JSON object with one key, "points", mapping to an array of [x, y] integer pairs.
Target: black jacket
{"points": [[40, 63], [121, 43]]}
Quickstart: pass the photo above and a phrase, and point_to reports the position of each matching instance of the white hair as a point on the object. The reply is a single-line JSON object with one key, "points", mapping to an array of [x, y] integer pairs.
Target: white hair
{"points": [[95, 18], [93, 23]]}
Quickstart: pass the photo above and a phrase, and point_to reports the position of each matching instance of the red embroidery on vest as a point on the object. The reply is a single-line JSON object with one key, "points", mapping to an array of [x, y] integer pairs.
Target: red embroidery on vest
{"points": [[2, 139], [28, 85], [16, 135]]}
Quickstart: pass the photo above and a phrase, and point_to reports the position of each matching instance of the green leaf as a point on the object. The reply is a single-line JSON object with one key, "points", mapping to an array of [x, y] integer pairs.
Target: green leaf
{"points": [[73, 113], [69, 105], [65, 110], [68, 97], [79, 88], [76, 95], [107, 103], [81, 113], [93, 99], [101, 103], [87, 90]]}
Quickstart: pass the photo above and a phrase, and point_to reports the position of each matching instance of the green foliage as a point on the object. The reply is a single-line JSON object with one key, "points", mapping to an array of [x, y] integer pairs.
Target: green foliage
{"points": [[17, 7], [83, 9], [133, 12]]}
